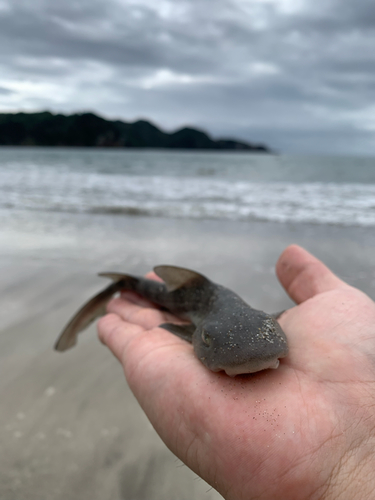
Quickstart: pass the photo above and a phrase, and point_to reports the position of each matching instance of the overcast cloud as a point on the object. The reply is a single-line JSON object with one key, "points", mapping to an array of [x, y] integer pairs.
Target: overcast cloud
{"points": [[298, 75]]}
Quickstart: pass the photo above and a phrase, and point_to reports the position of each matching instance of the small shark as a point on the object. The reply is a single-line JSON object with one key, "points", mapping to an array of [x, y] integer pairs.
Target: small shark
{"points": [[226, 333]]}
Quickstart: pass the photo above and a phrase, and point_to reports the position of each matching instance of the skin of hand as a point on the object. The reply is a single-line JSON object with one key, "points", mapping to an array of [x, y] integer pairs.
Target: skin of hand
{"points": [[303, 431]]}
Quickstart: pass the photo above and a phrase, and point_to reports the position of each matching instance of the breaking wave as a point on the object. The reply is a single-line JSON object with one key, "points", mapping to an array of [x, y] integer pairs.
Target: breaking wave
{"points": [[202, 196]]}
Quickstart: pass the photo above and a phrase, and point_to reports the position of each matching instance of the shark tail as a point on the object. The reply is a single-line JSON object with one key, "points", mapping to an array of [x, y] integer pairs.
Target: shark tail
{"points": [[93, 309]]}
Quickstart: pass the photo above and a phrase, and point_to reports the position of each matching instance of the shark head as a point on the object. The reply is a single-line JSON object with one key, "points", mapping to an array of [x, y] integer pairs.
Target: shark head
{"points": [[248, 342]]}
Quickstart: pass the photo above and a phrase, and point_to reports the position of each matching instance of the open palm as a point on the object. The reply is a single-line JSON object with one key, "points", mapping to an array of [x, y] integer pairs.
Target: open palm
{"points": [[303, 431]]}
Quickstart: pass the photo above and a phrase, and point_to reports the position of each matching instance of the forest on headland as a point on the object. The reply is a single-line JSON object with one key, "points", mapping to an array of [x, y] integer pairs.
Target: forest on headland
{"points": [[91, 130]]}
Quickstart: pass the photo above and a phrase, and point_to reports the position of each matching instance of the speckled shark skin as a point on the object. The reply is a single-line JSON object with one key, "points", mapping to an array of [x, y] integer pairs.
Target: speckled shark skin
{"points": [[227, 334]]}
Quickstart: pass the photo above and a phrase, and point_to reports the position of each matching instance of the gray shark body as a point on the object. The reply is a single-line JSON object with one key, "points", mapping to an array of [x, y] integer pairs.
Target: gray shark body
{"points": [[226, 333]]}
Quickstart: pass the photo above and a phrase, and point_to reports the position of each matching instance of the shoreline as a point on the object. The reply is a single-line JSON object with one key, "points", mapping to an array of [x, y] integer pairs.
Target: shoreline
{"points": [[121, 211]]}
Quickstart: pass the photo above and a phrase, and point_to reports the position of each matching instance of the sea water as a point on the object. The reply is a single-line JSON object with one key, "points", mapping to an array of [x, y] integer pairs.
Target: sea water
{"points": [[183, 184]]}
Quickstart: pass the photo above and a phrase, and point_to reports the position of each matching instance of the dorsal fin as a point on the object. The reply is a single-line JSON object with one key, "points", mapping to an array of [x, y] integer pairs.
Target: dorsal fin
{"points": [[177, 277]]}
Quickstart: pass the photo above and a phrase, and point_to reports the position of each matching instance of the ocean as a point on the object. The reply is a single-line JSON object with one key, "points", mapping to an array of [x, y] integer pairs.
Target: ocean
{"points": [[183, 184]]}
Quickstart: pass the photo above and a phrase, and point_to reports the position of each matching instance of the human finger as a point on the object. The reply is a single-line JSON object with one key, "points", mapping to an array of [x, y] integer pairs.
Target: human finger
{"points": [[303, 275], [147, 317], [111, 330], [138, 348], [134, 298]]}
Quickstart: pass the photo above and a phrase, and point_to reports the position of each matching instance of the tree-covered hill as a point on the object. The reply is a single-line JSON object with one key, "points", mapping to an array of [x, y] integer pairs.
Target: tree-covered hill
{"points": [[88, 129]]}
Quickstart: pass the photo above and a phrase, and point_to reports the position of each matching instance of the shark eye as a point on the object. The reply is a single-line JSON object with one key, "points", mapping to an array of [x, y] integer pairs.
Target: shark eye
{"points": [[206, 338]]}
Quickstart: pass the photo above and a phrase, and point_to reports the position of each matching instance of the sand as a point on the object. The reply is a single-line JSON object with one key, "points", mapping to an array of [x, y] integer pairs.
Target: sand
{"points": [[69, 426]]}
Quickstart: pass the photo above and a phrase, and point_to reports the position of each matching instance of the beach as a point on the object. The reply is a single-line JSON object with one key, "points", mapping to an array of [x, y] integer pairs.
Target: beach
{"points": [[69, 425]]}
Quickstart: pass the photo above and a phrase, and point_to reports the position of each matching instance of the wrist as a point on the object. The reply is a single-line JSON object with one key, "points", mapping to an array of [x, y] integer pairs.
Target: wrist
{"points": [[353, 476]]}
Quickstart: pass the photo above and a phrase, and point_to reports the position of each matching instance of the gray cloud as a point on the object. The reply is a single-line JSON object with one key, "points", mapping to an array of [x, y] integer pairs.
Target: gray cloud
{"points": [[301, 80]]}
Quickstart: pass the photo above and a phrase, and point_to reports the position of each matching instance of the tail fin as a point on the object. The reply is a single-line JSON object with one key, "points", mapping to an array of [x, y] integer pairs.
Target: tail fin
{"points": [[94, 308]]}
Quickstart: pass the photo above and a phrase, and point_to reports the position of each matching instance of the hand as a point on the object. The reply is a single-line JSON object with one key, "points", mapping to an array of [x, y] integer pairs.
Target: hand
{"points": [[303, 431]]}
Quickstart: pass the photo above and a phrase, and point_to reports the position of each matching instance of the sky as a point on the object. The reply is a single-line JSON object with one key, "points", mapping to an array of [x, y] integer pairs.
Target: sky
{"points": [[297, 75]]}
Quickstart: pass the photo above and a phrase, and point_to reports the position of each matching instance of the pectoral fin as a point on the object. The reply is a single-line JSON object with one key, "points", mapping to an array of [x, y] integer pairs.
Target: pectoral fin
{"points": [[177, 277], [185, 332], [94, 308]]}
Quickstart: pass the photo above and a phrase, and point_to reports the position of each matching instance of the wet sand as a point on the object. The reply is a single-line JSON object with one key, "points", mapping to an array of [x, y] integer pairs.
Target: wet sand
{"points": [[69, 426]]}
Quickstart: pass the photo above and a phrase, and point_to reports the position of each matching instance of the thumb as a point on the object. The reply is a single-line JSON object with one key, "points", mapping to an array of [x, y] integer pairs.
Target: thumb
{"points": [[303, 275]]}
